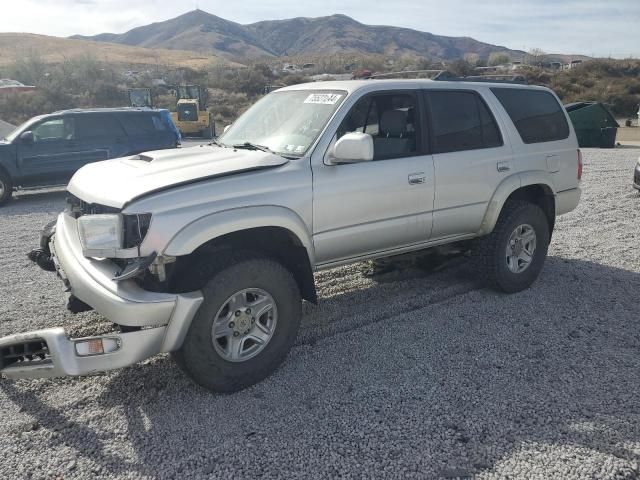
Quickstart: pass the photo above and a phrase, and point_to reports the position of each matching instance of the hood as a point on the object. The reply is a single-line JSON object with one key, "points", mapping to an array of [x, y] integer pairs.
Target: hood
{"points": [[114, 183]]}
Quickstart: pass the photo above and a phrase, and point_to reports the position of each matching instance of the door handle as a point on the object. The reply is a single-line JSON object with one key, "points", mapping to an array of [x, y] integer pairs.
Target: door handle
{"points": [[417, 178], [503, 166]]}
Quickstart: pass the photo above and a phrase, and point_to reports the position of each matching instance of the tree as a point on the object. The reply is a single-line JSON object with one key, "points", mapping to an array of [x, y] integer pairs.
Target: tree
{"points": [[536, 56], [498, 58], [472, 58]]}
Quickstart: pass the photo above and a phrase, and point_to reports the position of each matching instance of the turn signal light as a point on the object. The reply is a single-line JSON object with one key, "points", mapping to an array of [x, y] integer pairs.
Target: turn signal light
{"points": [[97, 346]]}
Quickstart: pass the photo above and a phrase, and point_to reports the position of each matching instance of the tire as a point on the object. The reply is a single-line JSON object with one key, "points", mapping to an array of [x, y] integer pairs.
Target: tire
{"points": [[6, 188], [208, 132], [501, 271], [203, 358]]}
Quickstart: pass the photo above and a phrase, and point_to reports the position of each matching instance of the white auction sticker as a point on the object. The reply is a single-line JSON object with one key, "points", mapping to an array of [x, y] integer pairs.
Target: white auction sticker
{"points": [[323, 98]]}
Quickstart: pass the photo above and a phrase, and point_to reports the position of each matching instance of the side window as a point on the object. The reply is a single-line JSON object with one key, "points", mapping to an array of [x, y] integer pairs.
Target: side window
{"points": [[462, 121], [391, 120], [140, 124], [537, 115], [93, 127], [55, 129]]}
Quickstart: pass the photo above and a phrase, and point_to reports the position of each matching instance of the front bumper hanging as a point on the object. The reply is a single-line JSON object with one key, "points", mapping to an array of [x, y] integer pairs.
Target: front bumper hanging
{"points": [[161, 319]]}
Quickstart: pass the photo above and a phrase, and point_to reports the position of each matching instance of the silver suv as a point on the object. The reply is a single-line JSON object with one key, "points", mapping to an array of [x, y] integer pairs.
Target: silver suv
{"points": [[207, 252]]}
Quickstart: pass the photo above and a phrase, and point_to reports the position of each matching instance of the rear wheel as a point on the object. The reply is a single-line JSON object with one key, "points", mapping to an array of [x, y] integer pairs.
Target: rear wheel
{"points": [[6, 188], [245, 327], [511, 257]]}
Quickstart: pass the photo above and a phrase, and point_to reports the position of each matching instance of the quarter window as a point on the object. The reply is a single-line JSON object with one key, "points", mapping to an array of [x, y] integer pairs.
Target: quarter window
{"points": [[537, 115], [462, 121], [392, 121]]}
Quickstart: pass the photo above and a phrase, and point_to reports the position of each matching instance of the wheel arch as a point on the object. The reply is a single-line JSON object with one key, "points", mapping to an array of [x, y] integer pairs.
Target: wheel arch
{"points": [[275, 232], [530, 186]]}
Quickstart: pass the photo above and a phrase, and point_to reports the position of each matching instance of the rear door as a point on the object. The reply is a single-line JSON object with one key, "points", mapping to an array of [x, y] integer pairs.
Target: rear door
{"points": [[470, 159], [100, 136], [53, 153]]}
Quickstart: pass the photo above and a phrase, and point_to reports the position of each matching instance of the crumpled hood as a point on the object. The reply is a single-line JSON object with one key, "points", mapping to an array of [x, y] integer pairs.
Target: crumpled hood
{"points": [[116, 182]]}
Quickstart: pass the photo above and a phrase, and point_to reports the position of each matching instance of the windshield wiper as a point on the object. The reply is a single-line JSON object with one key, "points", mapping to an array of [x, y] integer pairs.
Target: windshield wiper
{"points": [[253, 146]]}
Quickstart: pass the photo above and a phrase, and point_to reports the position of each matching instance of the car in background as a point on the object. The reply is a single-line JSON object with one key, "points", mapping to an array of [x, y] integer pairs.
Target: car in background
{"points": [[48, 149], [636, 176]]}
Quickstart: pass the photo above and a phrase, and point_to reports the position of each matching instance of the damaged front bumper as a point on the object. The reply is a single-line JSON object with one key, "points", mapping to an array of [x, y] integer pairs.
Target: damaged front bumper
{"points": [[163, 318]]}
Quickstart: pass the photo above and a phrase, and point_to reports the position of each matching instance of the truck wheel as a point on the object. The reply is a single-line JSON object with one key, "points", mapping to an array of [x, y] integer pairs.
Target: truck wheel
{"points": [[6, 188], [245, 327], [511, 257]]}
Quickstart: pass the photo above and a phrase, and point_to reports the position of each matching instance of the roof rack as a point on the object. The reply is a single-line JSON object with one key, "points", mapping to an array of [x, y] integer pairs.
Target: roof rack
{"points": [[444, 75], [519, 79], [430, 74]]}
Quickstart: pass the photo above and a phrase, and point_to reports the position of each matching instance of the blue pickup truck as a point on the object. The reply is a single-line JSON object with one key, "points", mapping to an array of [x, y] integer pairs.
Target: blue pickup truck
{"points": [[47, 150]]}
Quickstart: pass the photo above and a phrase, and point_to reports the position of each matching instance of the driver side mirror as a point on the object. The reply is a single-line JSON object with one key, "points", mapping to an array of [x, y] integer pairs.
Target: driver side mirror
{"points": [[27, 138], [227, 128], [353, 147]]}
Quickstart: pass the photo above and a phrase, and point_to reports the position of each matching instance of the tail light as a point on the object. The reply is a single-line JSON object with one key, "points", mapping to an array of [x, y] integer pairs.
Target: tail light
{"points": [[579, 165]]}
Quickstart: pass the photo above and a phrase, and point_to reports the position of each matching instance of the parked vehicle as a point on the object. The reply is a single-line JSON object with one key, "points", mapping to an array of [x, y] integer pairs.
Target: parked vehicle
{"points": [[47, 150], [191, 115], [207, 252], [636, 176]]}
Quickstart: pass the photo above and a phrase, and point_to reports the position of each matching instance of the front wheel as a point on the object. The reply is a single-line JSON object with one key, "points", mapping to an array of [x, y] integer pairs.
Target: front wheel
{"points": [[511, 257], [6, 188], [245, 327]]}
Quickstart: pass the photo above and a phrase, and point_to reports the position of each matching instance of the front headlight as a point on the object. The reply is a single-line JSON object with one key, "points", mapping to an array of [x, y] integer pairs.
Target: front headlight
{"points": [[101, 232]]}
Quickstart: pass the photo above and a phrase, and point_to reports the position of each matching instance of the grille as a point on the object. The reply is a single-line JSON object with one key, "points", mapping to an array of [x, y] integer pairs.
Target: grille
{"points": [[34, 352], [77, 207]]}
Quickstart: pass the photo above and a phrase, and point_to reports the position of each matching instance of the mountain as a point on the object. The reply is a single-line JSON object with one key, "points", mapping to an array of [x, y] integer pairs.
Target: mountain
{"points": [[55, 49], [197, 31], [203, 32]]}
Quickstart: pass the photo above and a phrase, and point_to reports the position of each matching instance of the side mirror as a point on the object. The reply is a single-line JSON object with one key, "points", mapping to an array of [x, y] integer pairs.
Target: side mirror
{"points": [[226, 128], [354, 147], [27, 137]]}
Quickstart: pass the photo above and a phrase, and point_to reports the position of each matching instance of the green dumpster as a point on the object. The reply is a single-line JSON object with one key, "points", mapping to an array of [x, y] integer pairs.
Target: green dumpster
{"points": [[594, 124]]}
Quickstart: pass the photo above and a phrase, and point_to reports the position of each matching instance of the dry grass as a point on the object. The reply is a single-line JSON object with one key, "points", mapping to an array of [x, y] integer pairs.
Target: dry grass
{"points": [[55, 50]]}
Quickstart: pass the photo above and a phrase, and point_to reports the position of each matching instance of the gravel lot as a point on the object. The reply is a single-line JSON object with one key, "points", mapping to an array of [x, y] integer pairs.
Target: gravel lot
{"points": [[411, 375]]}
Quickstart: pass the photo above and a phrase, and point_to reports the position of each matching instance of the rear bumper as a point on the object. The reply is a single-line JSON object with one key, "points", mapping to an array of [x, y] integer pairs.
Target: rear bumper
{"points": [[567, 200], [164, 317]]}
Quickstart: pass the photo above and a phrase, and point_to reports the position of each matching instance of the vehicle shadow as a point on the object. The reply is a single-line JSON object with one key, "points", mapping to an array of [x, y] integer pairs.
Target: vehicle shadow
{"points": [[460, 384]]}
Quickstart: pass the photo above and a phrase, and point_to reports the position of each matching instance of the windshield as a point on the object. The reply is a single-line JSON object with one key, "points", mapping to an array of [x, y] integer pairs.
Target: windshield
{"points": [[285, 122]]}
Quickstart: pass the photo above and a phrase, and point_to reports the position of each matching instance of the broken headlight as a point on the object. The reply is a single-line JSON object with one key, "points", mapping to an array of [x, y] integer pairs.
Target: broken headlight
{"points": [[101, 232]]}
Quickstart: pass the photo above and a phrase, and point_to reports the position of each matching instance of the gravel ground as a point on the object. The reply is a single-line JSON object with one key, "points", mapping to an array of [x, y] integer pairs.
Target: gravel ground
{"points": [[409, 375]]}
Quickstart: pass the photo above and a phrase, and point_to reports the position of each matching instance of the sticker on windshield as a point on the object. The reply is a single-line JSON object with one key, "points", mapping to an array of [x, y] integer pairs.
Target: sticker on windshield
{"points": [[323, 98]]}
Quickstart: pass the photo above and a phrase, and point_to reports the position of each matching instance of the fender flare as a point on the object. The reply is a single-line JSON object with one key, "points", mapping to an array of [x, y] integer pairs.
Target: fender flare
{"points": [[505, 189], [212, 226]]}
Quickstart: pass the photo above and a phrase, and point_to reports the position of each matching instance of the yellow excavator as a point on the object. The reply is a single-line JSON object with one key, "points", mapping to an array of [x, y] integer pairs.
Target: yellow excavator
{"points": [[191, 115]]}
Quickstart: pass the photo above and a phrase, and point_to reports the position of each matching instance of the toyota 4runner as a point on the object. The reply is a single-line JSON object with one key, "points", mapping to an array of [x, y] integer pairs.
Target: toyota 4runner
{"points": [[206, 252]]}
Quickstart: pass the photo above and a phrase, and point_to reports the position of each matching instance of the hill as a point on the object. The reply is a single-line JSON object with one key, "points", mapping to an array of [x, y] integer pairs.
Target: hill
{"points": [[55, 49], [203, 32]]}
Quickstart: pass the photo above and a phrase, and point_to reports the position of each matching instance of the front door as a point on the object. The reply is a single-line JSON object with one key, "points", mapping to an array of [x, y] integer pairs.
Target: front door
{"points": [[381, 205], [52, 153]]}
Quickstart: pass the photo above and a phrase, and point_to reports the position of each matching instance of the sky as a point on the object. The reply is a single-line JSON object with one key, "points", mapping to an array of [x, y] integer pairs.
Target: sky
{"points": [[589, 27]]}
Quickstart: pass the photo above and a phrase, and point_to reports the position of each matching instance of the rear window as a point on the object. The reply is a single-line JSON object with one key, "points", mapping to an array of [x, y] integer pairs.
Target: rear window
{"points": [[140, 124], [537, 115], [462, 121]]}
